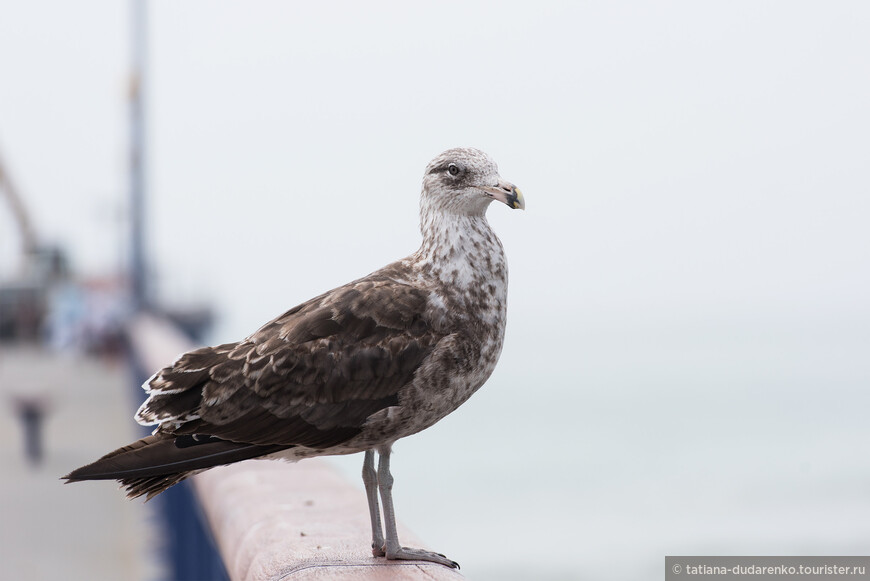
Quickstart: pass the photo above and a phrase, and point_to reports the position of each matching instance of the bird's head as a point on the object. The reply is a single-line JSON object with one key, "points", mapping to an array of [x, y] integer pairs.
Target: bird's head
{"points": [[464, 181]]}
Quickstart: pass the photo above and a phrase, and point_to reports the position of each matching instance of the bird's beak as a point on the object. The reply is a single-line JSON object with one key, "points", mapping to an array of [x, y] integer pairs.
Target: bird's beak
{"points": [[506, 193]]}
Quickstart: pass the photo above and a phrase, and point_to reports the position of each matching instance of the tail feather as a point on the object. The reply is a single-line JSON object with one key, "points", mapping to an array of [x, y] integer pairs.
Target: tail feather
{"points": [[152, 485], [151, 465]]}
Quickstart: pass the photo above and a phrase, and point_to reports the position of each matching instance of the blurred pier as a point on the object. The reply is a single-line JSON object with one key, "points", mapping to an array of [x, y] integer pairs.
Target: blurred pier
{"points": [[69, 386], [65, 400], [51, 531]]}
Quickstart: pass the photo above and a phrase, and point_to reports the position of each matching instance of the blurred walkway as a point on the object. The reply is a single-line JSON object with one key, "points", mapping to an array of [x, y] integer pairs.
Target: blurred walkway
{"points": [[79, 531]]}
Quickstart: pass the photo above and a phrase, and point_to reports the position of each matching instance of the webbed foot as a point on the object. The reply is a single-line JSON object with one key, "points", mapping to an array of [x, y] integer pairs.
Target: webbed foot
{"points": [[408, 554]]}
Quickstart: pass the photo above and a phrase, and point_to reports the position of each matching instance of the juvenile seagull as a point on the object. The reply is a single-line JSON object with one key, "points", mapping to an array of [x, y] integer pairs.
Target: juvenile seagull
{"points": [[352, 370]]}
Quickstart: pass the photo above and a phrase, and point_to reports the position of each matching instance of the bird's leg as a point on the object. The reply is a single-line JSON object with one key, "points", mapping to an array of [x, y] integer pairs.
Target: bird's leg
{"points": [[370, 479], [392, 548]]}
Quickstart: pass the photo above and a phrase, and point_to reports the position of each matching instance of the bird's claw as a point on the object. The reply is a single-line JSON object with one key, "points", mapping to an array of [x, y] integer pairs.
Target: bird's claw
{"points": [[408, 554]]}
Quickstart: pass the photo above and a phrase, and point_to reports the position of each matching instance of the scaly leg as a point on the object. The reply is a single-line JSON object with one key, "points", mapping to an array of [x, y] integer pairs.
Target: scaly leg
{"points": [[370, 479], [392, 548]]}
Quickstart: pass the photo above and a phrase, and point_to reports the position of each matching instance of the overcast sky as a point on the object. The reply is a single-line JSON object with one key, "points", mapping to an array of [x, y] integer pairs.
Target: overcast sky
{"points": [[678, 158]]}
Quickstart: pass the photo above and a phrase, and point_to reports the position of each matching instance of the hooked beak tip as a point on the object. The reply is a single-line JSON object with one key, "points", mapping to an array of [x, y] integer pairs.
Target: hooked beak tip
{"points": [[517, 202], [508, 194]]}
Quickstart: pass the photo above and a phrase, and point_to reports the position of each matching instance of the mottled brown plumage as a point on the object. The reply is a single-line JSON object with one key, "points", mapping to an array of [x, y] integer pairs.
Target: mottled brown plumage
{"points": [[351, 370], [309, 378]]}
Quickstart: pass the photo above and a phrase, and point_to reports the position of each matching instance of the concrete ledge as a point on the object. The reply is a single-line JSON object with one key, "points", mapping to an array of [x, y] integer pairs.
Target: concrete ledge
{"points": [[274, 521]]}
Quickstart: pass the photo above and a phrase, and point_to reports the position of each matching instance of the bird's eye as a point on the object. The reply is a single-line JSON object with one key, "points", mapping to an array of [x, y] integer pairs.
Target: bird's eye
{"points": [[453, 169]]}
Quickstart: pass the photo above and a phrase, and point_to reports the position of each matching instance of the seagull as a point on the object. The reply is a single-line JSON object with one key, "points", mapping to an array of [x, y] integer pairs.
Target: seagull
{"points": [[352, 370]]}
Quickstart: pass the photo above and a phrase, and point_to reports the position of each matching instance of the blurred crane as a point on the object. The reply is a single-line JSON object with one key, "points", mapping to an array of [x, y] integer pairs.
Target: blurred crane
{"points": [[19, 212], [23, 299]]}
